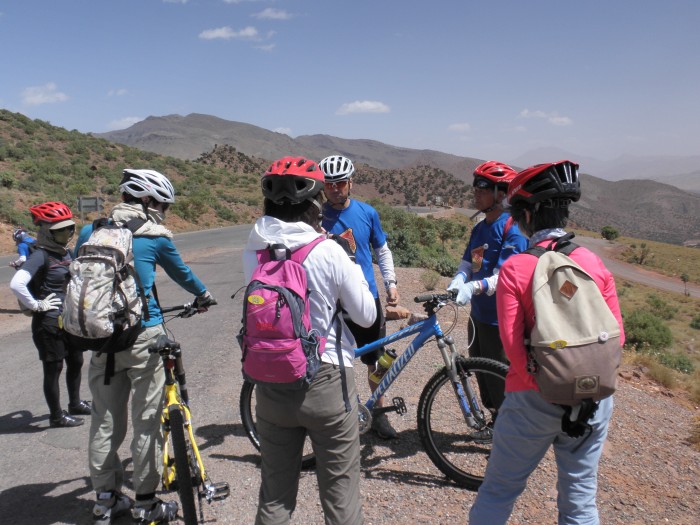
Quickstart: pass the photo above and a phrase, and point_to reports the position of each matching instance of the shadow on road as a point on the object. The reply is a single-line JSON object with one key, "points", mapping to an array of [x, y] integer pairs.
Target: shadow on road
{"points": [[21, 422], [37, 504]]}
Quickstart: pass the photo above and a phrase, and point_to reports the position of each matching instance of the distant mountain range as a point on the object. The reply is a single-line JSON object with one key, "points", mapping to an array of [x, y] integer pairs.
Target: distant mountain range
{"points": [[646, 209], [189, 136]]}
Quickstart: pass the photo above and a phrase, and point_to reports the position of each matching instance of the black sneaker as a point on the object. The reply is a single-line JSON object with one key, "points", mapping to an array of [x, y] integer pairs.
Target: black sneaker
{"points": [[83, 408], [156, 512], [65, 420]]}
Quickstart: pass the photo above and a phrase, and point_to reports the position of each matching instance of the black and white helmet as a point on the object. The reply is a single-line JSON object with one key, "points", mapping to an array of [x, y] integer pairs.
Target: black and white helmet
{"points": [[147, 183], [336, 167]]}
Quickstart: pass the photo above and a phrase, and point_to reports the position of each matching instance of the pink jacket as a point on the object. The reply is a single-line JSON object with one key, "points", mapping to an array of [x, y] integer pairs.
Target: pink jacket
{"points": [[516, 313]]}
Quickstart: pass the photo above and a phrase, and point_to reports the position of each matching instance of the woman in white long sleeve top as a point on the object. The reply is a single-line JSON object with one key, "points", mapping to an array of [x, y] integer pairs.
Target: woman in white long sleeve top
{"points": [[292, 189]]}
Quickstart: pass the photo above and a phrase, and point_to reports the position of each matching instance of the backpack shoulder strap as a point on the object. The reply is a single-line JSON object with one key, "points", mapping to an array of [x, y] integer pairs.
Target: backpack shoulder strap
{"points": [[562, 244], [134, 224], [508, 226], [300, 254]]}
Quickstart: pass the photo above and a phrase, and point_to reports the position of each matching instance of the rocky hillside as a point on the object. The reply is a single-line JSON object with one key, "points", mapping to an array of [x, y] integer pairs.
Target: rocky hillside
{"points": [[221, 186]]}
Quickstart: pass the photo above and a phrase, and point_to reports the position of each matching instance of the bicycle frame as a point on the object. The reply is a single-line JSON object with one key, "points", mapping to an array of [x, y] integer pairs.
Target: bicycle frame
{"points": [[424, 330]]}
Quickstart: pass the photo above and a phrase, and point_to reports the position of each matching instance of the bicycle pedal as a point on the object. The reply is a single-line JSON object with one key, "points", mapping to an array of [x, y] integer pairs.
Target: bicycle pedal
{"points": [[217, 491], [399, 405]]}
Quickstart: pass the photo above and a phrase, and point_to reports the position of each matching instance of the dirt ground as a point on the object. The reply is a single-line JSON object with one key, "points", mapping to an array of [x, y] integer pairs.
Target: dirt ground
{"points": [[649, 472]]}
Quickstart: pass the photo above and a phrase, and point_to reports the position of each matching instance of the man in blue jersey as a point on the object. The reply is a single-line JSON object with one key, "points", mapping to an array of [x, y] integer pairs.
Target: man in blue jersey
{"points": [[146, 195], [492, 241], [359, 224]]}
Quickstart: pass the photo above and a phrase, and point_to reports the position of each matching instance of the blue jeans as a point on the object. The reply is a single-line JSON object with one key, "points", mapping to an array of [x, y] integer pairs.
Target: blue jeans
{"points": [[526, 427]]}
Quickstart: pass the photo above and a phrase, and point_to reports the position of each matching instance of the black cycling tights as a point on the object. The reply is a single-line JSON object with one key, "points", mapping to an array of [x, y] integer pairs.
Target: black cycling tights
{"points": [[52, 371]]}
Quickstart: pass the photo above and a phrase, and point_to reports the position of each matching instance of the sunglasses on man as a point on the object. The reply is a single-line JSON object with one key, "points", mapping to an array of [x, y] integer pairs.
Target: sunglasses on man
{"points": [[340, 184]]}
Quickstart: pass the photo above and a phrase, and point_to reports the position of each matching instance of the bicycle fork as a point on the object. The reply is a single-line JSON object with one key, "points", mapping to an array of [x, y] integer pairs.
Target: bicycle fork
{"points": [[206, 489], [467, 398]]}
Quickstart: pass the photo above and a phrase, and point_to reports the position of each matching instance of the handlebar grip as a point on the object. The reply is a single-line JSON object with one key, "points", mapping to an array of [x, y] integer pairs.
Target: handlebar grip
{"points": [[424, 298]]}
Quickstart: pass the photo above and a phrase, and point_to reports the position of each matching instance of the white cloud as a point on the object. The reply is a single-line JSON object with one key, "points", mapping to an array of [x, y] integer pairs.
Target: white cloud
{"points": [[123, 123], [175, 1], [271, 13], [460, 127], [226, 33], [363, 106], [46, 94], [239, 1], [284, 131], [266, 47], [117, 92], [553, 118]]}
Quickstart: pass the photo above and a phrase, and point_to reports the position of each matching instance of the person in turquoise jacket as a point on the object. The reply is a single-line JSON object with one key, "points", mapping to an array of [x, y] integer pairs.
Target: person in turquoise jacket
{"points": [[146, 195]]}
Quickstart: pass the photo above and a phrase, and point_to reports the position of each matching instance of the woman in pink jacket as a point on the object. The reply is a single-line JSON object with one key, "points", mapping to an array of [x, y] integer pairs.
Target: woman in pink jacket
{"points": [[528, 425]]}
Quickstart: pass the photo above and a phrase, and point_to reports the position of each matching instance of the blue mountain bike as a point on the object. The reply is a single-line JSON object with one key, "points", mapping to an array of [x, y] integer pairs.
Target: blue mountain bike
{"points": [[451, 423]]}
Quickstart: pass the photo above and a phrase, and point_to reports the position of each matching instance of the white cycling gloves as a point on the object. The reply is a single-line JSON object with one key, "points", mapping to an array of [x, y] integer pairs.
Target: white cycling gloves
{"points": [[50, 303], [464, 289]]}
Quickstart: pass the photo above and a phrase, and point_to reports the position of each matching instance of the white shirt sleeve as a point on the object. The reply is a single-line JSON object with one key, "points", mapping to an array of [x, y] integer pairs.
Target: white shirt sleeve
{"points": [[386, 265], [19, 286]]}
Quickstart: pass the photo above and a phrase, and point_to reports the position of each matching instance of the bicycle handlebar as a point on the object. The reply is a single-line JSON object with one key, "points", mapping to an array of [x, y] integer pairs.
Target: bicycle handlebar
{"points": [[186, 310], [449, 296]]}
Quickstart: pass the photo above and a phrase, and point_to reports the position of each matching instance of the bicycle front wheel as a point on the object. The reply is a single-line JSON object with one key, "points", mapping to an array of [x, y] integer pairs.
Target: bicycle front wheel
{"points": [[459, 450], [183, 452], [247, 410]]}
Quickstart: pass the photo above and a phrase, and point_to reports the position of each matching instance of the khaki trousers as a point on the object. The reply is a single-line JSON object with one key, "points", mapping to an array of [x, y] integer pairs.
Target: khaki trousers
{"points": [[284, 418], [139, 375]]}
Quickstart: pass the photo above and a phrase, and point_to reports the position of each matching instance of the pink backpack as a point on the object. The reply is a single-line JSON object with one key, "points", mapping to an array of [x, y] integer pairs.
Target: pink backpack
{"points": [[279, 346]]}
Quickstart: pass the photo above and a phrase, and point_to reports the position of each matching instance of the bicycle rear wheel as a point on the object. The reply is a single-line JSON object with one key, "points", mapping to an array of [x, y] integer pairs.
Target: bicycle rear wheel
{"points": [[446, 437], [247, 410], [183, 452]]}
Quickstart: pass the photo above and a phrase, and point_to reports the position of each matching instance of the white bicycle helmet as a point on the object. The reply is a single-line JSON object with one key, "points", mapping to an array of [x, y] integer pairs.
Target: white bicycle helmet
{"points": [[336, 167], [147, 183]]}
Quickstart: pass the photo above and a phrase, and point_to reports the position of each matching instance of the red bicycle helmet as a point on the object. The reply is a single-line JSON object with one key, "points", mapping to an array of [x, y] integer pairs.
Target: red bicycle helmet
{"points": [[55, 213], [541, 182], [493, 173], [292, 180]]}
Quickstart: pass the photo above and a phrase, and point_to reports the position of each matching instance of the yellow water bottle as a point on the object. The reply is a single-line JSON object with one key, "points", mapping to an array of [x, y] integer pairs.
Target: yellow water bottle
{"points": [[383, 364]]}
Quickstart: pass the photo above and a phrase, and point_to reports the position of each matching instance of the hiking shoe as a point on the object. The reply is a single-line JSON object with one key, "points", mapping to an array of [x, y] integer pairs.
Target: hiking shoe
{"points": [[483, 436], [110, 505], [83, 408], [154, 511], [383, 428], [64, 420]]}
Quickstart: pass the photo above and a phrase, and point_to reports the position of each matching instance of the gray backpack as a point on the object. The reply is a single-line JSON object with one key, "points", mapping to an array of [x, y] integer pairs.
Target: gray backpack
{"points": [[574, 347]]}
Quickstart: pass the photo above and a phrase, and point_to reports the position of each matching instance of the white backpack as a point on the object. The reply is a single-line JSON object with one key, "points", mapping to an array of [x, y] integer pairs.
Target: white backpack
{"points": [[575, 344], [104, 301]]}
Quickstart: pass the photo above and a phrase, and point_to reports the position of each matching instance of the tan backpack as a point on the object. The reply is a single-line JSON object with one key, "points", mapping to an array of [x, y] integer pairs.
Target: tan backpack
{"points": [[575, 344]]}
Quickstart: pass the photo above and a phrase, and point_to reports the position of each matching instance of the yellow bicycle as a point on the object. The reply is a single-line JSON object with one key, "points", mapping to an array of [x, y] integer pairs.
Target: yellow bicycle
{"points": [[183, 468]]}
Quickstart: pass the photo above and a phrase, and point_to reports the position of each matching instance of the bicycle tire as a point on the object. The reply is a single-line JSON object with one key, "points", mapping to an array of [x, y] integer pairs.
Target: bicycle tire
{"points": [[246, 407], [182, 453], [444, 434]]}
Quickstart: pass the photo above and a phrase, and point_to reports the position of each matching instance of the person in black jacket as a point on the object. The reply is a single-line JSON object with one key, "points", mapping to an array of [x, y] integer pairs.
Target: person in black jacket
{"points": [[40, 287]]}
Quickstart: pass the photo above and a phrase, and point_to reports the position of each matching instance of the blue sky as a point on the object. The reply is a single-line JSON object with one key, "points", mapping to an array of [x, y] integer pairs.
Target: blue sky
{"points": [[485, 79]]}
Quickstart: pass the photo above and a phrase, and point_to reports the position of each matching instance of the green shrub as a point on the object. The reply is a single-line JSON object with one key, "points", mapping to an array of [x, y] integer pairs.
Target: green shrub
{"points": [[7, 179], [644, 328], [695, 322], [609, 233], [661, 307]]}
